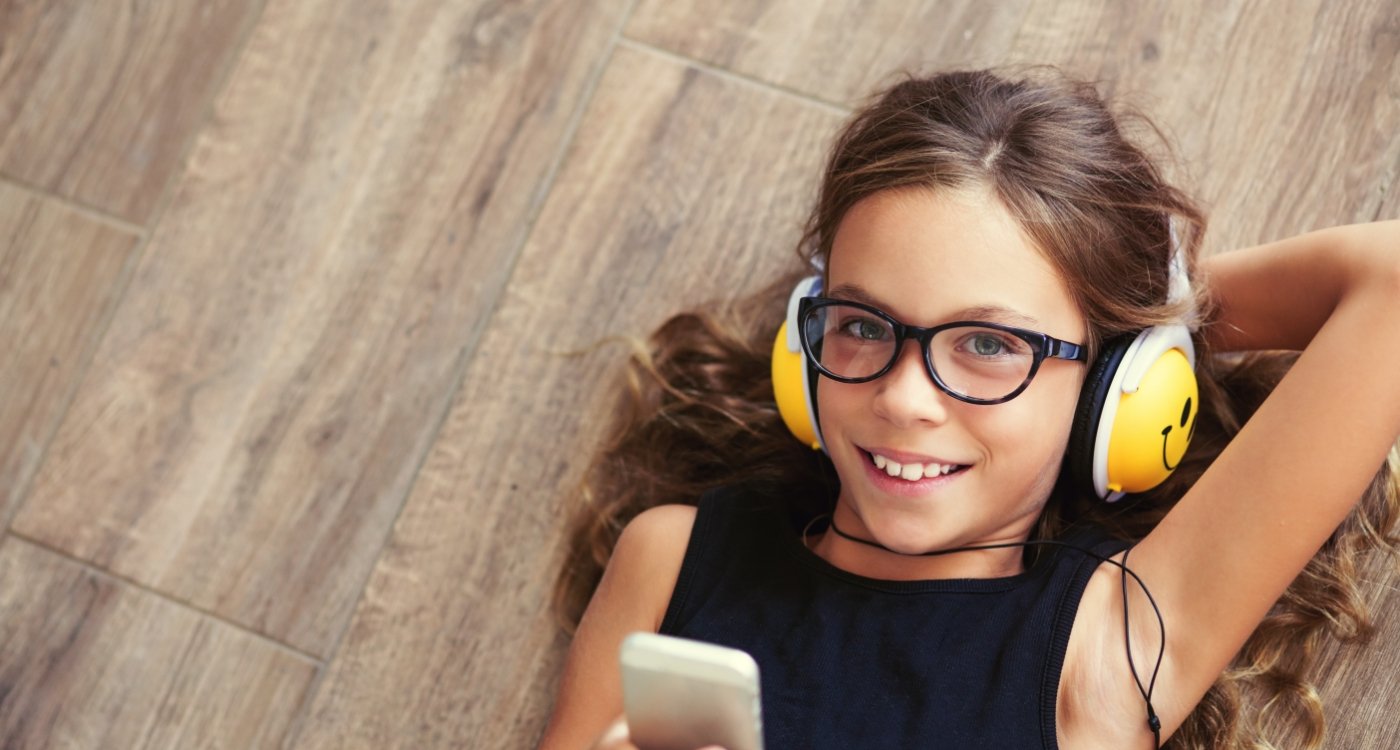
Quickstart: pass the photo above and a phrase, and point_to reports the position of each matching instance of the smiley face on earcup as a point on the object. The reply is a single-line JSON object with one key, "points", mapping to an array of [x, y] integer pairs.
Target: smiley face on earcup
{"points": [[1136, 413], [1153, 425]]}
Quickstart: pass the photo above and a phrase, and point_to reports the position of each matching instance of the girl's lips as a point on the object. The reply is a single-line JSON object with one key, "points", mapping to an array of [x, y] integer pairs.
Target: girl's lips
{"points": [[907, 458], [903, 487]]}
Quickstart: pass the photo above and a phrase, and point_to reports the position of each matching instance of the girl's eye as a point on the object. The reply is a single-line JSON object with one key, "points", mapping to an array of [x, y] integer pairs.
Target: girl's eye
{"points": [[986, 346], [992, 345], [864, 329]]}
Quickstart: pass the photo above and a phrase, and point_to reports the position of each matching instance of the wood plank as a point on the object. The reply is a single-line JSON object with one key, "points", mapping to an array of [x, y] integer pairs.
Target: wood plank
{"points": [[291, 340], [1336, 150], [60, 274], [838, 50], [87, 661], [98, 100], [681, 186]]}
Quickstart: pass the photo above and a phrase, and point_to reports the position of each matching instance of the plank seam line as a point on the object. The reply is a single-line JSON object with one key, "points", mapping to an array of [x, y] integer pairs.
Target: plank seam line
{"points": [[742, 78], [89, 212], [533, 211], [166, 597]]}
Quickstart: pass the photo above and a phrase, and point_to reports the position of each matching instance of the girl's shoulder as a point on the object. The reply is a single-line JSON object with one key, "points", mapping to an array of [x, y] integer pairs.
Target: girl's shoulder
{"points": [[656, 530], [632, 595], [651, 549]]}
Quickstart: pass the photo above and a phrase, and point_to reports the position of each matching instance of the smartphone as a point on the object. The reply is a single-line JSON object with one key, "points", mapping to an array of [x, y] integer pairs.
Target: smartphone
{"points": [[680, 694]]}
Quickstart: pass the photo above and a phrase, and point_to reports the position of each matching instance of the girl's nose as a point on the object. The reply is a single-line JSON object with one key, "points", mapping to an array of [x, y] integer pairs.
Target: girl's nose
{"points": [[907, 394]]}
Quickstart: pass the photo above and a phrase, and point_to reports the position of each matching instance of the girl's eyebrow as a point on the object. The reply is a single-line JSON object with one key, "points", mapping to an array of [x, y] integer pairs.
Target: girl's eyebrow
{"points": [[986, 313]]}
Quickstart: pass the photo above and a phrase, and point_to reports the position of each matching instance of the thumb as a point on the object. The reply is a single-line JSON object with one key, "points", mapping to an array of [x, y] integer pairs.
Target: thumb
{"points": [[615, 737]]}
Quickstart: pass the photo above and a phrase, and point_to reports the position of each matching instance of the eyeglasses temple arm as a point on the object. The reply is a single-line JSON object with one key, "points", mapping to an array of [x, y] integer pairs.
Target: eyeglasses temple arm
{"points": [[1065, 350]]}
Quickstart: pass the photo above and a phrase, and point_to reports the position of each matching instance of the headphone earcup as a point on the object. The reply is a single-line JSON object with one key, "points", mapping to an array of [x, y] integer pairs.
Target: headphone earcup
{"points": [[791, 383], [794, 379], [1079, 454]]}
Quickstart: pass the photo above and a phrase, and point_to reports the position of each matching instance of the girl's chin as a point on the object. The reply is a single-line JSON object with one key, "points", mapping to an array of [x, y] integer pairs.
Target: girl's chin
{"points": [[903, 536]]}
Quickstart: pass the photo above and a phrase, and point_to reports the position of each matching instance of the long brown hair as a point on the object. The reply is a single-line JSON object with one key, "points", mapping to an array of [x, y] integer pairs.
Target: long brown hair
{"points": [[697, 410]]}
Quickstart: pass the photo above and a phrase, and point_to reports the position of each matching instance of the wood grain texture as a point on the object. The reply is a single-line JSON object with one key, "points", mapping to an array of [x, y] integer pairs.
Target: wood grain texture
{"points": [[838, 50], [98, 100], [255, 415], [88, 662], [681, 186], [60, 274]]}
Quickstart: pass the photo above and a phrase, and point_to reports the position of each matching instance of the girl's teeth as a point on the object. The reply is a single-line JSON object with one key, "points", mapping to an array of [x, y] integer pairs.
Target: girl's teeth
{"points": [[910, 472]]}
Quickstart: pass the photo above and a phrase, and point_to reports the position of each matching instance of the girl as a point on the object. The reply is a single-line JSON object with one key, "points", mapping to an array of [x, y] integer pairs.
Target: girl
{"points": [[987, 244]]}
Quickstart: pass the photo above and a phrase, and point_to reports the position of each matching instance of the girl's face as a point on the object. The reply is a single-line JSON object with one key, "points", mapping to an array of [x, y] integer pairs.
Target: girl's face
{"points": [[928, 258]]}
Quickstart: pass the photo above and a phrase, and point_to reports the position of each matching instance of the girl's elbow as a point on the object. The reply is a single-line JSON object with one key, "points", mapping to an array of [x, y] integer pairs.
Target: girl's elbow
{"points": [[1376, 250]]}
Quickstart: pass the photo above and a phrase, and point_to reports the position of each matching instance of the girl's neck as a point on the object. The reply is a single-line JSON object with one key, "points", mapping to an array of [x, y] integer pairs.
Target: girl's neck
{"points": [[869, 561]]}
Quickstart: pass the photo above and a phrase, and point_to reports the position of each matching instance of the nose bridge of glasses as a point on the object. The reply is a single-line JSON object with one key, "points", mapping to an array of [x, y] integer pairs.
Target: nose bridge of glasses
{"points": [[921, 343], [908, 391], [914, 351]]}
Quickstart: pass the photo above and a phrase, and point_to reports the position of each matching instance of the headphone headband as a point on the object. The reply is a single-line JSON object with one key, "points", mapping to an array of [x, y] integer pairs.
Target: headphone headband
{"points": [[1179, 285]]}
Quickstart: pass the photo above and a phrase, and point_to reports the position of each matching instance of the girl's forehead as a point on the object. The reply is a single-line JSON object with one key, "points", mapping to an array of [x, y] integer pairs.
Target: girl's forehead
{"points": [[924, 255]]}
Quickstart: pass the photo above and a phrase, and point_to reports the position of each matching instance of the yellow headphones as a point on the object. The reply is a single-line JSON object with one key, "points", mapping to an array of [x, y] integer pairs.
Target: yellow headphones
{"points": [[1135, 417]]}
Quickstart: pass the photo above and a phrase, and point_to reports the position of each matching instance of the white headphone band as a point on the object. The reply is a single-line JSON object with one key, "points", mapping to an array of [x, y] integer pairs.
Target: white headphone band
{"points": [[1179, 285]]}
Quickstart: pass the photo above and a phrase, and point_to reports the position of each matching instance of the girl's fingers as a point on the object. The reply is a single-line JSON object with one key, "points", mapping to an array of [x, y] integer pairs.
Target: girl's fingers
{"points": [[615, 737]]}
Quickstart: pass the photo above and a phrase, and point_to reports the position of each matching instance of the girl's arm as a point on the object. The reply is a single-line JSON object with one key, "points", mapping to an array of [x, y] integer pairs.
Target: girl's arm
{"points": [[1226, 552], [633, 595], [1278, 296]]}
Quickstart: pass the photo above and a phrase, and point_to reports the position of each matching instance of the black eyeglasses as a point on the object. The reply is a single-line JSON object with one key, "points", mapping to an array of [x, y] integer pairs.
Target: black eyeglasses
{"points": [[972, 361]]}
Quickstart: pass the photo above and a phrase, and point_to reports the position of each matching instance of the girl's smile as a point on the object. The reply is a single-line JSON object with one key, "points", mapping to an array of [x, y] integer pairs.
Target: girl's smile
{"points": [[908, 475]]}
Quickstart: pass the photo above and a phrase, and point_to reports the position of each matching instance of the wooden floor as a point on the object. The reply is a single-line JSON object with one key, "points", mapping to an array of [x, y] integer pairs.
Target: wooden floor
{"points": [[287, 287]]}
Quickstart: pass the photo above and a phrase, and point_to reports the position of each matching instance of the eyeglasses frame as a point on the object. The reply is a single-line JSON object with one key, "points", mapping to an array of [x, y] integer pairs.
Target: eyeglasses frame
{"points": [[1044, 346]]}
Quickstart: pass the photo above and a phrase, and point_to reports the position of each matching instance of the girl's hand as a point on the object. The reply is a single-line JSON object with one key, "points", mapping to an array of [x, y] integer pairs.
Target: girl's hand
{"points": [[615, 737]]}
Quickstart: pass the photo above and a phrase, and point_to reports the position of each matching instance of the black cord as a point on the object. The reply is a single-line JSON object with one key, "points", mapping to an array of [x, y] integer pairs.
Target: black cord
{"points": [[1153, 722]]}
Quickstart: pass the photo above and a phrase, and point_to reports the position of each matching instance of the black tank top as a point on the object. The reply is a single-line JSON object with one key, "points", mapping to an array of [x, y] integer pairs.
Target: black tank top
{"points": [[852, 662]]}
